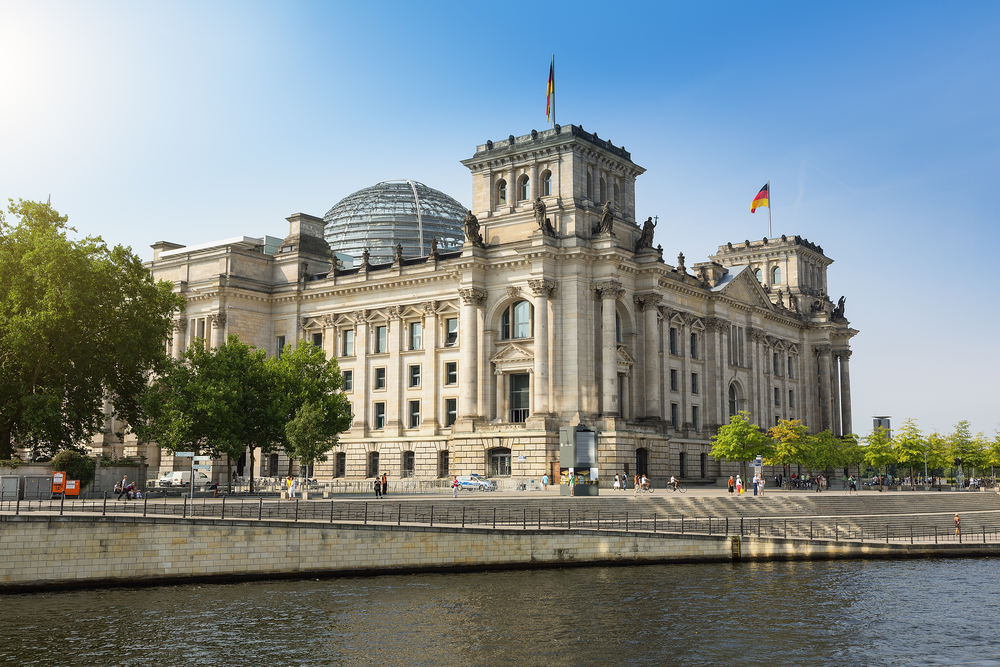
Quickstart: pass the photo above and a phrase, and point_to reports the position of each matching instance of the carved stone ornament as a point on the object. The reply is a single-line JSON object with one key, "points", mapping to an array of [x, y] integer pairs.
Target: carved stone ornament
{"points": [[844, 354], [646, 237], [513, 292], [361, 315], [608, 289], [472, 234], [301, 323], [647, 301], [180, 325], [756, 335], [823, 349], [607, 222], [399, 255], [541, 287], [330, 320], [716, 324], [394, 312], [429, 307], [472, 295], [218, 320], [365, 256], [680, 263], [434, 249]]}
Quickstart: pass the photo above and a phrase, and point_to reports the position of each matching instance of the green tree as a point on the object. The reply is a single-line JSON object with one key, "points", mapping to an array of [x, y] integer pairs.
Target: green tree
{"points": [[305, 376], [791, 442], [850, 453], [307, 436], [938, 456], [909, 446], [962, 448], [740, 440], [878, 451], [79, 323], [822, 451], [76, 466]]}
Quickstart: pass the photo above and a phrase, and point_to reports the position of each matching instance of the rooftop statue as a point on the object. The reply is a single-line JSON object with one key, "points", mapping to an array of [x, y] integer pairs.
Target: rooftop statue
{"points": [[472, 234], [646, 238], [607, 220]]}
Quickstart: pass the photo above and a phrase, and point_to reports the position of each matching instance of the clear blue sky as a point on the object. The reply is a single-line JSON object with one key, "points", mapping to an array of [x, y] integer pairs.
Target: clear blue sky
{"points": [[876, 123]]}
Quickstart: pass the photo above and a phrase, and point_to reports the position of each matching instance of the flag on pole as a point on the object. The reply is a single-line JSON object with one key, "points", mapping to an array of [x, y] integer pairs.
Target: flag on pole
{"points": [[550, 91], [762, 199]]}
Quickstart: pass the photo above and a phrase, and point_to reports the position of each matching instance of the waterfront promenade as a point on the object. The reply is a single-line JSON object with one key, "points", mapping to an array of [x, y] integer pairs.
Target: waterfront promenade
{"points": [[97, 542]]}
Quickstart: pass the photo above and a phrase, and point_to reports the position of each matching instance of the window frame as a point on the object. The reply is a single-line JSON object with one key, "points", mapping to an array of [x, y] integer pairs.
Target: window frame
{"points": [[694, 345], [450, 369], [672, 341], [501, 192], [378, 416], [413, 376], [415, 342], [347, 341], [380, 375], [547, 183], [694, 383], [413, 415], [450, 411], [380, 339], [673, 379], [448, 340], [314, 337], [348, 375]]}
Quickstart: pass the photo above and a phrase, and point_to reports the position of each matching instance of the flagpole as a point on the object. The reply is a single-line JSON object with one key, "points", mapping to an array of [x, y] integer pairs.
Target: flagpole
{"points": [[553, 91], [769, 208]]}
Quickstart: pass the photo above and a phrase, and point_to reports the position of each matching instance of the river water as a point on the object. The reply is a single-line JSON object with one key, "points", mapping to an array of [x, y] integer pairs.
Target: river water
{"points": [[920, 612]]}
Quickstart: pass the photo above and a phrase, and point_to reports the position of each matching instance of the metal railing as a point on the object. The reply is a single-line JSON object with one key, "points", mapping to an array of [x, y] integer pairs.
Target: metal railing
{"points": [[862, 529]]}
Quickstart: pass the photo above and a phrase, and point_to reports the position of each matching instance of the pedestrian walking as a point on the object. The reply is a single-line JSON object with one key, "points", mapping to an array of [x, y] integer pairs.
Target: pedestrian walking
{"points": [[572, 484], [732, 485], [624, 481], [385, 484], [122, 488], [756, 481], [852, 485], [378, 487], [545, 482], [454, 488], [760, 485], [618, 483], [958, 525], [739, 486]]}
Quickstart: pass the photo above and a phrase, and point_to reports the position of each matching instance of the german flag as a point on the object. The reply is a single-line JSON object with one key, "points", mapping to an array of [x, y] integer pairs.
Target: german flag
{"points": [[550, 91], [762, 199]]}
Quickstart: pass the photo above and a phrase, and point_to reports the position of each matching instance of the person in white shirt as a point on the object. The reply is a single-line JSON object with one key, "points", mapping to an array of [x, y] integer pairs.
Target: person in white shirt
{"points": [[673, 482]]}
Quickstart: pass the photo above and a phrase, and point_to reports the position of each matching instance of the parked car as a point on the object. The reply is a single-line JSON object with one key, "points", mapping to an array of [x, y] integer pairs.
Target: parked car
{"points": [[476, 483], [179, 478]]}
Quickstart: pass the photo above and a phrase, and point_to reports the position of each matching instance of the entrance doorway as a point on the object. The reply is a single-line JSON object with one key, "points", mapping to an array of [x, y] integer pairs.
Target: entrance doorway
{"points": [[641, 461]]}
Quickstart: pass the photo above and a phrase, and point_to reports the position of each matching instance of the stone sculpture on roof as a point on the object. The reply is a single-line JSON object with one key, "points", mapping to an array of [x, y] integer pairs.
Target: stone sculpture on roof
{"points": [[646, 238], [607, 220], [472, 234]]}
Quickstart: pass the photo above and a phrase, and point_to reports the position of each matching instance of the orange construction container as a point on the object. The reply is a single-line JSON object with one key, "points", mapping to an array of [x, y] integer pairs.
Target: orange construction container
{"points": [[72, 487], [58, 482]]}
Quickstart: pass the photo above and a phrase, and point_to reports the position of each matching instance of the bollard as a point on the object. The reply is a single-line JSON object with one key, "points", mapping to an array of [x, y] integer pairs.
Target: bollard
{"points": [[260, 508], [104, 510]]}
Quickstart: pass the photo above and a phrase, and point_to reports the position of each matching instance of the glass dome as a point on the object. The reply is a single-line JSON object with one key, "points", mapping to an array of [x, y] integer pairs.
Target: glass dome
{"points": [[391, 212]]}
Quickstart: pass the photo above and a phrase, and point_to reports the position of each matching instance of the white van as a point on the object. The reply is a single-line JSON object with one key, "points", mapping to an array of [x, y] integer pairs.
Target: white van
{"points": [[178, 478]]}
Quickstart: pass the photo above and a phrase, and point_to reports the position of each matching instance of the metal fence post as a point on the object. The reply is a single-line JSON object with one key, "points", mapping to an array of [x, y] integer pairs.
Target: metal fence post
{"points": [[104, 510], [62, 501], [741, 526], [260, 508], [598, 519], [682, 524], [810, 529], [494, 518], [626, 522], [887, 533], [911, 534], [296, 509], [524, 519], [184, 510], [432, 516], [539, 518], [331, 511], [654, 522], [144, 499], [399, 515], [366, 512], [463, 516]]}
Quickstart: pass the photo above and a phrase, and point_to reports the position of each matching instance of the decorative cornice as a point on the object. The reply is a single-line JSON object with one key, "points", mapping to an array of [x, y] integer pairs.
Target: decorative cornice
{"points": [[361, 315], [429, 307]]}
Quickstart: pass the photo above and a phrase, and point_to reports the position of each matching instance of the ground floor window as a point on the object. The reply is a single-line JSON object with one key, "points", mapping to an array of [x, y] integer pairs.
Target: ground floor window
{"points": [[519, 397], [704, 465], [682, 467], [499, 462], [443, 463], [272, 466], [372, 464], [408, 464], [340, 465]]}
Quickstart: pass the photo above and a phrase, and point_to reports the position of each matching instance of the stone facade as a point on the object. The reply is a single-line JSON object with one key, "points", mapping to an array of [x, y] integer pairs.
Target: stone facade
{"points": [[462, 362]]}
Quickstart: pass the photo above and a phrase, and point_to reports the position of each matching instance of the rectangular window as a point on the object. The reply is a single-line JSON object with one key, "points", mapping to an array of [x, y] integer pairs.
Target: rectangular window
{"points": [[694, 346], [348, 380], [280, 346], [416, 335], [777, 397], [414, 414], [451, 372], [788, 368], [673, 340], [443, 463], [694, 383], [348, 346], [379, 416], [519, 392], [340, 465], [414, 376], [318, 339], [673, 414], [777, 420], [451, 332], [381, 340], [379, 378], [791, 398], [450, 411], [673, 379], [694, 418]]}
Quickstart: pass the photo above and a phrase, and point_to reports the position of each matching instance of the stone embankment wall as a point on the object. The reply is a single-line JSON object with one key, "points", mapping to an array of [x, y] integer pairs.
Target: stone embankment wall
{"points": [[52, 551]]}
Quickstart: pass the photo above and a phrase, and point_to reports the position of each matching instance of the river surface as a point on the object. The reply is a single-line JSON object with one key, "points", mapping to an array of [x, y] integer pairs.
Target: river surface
{"points": [[920, 612]]}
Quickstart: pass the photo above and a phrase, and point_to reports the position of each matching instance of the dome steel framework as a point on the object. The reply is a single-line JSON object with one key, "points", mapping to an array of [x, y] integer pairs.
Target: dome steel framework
{"points": [[400, 211]]}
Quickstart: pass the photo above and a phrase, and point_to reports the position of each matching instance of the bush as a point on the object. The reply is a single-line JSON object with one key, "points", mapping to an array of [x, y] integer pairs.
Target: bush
{"points": [[11, 463], [76, 466]]}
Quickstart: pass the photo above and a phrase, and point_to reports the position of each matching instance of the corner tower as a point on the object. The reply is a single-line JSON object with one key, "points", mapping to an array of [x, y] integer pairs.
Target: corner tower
{"points": [[573, 171]]}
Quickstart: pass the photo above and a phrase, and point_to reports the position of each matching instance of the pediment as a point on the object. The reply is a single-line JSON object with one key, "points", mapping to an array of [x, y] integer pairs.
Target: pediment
{"points": [[513, 353], [624, 358], [745, 289]]}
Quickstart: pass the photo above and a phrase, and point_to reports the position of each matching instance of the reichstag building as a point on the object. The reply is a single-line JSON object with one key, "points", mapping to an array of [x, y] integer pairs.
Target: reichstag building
{"points": [[468, 338]]}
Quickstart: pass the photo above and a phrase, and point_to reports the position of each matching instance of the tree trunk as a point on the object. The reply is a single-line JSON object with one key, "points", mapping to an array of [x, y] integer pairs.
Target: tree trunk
{"points": [[911, 478], [250, 488], [229, 473]]}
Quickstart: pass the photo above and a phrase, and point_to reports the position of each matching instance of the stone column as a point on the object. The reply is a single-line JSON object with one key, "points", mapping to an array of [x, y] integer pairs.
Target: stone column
{"points": [[180, 326], [834, 396], [396, 413], [845, 391], [533, 189], [428, 392], [647, 303], [468, 364], [218, 323], [501, 405], [824, 385], [511, 186], [362, 386], [609, 292], [542, 289]]}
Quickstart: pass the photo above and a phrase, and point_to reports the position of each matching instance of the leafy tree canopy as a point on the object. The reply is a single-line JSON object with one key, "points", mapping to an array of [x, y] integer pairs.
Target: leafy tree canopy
{"points": [[791, 442], [740, 440], [76, 466], [79, 323]]}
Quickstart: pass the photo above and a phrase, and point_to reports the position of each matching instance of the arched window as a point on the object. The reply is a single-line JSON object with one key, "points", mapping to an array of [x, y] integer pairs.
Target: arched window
{"points": [[516, 321], [734, 403], [546, 183], [501, 191], [499, 458], [759, 276], [614, 202], [590, 187], [522, 189], [776, 275], [604, 191]]}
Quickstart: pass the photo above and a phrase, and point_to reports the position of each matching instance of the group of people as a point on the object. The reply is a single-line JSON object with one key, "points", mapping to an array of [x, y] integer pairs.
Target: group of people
{"points": [[381, 485], [126, 489], [736, 485]]}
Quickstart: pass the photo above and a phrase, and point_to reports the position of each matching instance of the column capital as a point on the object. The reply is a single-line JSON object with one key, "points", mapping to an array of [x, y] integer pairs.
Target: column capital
{"points": [[542, 287], [472, 295], [330, 320], [429, 307], [843, 354], [360, 315], [647, 301], [608, 289], [180, 325], [394, 312], [716, 324], [756, 335], [824, 349], [218, 320]]}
